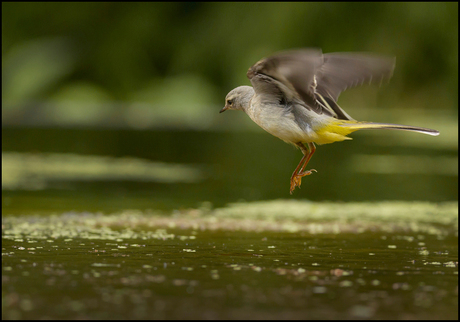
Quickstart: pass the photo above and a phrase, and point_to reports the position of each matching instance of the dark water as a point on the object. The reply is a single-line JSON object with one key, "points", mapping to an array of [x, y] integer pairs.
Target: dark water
{"points": [[121, 224], [80, 266]]}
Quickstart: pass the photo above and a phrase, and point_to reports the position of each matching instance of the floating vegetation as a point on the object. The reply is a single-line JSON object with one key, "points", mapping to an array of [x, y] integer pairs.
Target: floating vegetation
{"points": [[277, 215]]}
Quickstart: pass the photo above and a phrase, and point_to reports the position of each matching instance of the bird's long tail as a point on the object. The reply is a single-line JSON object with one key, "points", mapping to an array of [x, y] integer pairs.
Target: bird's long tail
{"points": [[338, 130], [386, 126]]}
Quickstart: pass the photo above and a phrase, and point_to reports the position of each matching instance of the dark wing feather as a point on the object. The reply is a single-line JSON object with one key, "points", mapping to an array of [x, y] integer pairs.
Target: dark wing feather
{"points": [[317, 79]]}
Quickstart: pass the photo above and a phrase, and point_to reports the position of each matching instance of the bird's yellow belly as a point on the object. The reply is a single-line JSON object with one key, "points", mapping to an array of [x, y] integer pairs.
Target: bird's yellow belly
{"points": [[331, 132]]}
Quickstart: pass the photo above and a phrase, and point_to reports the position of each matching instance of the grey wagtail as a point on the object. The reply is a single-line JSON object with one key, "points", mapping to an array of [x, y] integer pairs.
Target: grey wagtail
{"points": [[294, 97]]}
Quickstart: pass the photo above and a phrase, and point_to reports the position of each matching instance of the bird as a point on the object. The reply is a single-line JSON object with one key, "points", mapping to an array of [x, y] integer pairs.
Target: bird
{"points": [[294, 97]]}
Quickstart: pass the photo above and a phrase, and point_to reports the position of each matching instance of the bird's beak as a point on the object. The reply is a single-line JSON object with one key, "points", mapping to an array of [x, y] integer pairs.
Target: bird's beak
{"points": [[226, 107]]}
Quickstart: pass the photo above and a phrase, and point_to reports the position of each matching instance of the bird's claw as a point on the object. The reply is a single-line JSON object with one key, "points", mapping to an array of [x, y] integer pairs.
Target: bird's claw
{"points": [[296, 179]]}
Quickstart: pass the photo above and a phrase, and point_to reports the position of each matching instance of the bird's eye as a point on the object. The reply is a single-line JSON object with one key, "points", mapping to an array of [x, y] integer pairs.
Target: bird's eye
{"points": [[229, 102]]}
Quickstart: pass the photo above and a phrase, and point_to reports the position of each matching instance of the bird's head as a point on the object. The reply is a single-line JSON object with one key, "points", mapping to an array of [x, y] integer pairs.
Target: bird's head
{"points": [[238, 98]]}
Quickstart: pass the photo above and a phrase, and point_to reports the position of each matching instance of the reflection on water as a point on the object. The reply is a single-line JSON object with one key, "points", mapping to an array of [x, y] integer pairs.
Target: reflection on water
{"points": [[188, 167], [32, 171]]}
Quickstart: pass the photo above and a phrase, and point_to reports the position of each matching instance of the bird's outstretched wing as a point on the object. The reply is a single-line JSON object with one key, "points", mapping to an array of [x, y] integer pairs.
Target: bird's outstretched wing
{"points": [[318, 79], [340, 71]]}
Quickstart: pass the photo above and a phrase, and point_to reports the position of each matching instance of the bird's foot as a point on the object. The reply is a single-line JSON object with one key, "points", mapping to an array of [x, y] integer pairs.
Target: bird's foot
{"points": [[296, 179]]}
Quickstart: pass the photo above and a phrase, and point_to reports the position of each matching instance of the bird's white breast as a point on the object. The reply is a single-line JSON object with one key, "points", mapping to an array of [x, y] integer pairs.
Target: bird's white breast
{"points": [[279, 121]]}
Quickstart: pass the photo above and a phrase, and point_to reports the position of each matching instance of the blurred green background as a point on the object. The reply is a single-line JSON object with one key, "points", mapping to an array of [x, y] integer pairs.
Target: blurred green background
{"points": [[146, 81]]}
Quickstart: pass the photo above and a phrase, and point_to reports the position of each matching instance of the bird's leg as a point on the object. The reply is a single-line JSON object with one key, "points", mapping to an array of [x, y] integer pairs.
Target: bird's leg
{"points": [[296, 178], [312, 149]]}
